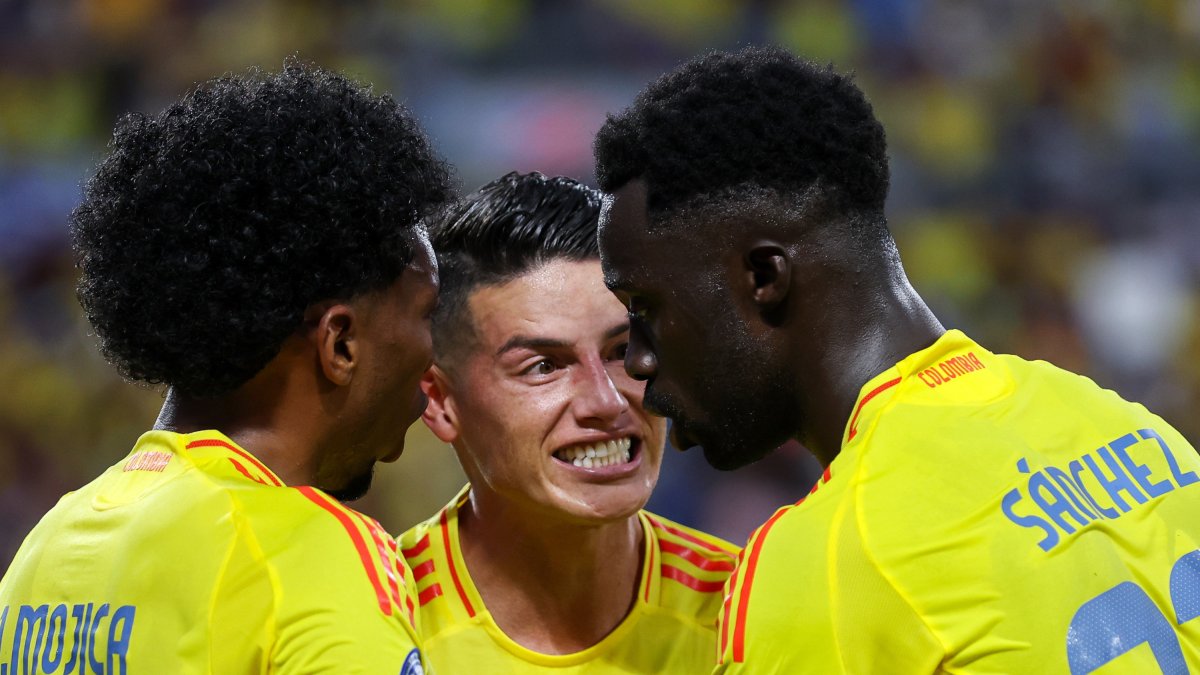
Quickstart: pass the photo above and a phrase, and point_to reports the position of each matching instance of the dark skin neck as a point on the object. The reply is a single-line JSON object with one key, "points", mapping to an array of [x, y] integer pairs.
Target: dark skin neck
{"points": [[553, 587], [878, 323], [272, 416]]}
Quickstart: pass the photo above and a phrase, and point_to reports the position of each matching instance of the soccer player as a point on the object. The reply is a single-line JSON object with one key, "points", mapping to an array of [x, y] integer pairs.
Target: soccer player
{"points": [[256, 247], [545, 562], [978, 512]]}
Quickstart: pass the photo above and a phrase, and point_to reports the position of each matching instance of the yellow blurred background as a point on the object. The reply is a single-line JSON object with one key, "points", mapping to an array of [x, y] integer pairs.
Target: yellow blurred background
{"points": [[1045, 163]]}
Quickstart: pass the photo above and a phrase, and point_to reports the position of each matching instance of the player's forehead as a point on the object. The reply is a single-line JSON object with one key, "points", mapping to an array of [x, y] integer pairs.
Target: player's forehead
{"points": [[629, 253], [561, 301]]}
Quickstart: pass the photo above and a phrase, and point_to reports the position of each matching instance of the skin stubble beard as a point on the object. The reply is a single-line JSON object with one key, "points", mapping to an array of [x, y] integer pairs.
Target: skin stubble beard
{"points": [[752, 409]]}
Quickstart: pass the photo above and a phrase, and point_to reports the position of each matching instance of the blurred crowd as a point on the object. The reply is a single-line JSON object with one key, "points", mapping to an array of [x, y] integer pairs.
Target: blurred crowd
{"points": [[1045, 158]]}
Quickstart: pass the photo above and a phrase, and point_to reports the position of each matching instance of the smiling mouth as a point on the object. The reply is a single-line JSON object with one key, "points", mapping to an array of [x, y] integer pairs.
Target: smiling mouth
{"points": [[598, 455]]}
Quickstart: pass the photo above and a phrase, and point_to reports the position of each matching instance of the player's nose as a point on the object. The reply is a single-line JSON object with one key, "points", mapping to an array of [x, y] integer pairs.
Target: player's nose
{"points": [[596, 395], [640, 361]]}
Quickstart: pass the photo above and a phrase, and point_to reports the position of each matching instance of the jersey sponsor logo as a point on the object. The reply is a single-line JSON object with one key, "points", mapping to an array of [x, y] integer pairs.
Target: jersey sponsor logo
{"points": [[148, 461], [945, 371], [1104, 484], [412, 664], [83, 638]]}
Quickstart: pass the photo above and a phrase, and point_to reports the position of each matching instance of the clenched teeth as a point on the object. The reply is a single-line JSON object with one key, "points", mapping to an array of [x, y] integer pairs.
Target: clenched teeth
{"points": [[597, 455]]}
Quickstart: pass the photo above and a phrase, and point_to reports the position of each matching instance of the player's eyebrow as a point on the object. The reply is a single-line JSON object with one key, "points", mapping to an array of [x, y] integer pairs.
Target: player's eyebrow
{"points": [[537, 343], [617, 329], [534, 343]]}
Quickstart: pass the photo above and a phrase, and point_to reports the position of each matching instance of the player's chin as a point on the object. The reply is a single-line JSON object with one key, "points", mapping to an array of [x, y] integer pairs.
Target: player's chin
{"points": [[394, 453], [612, 503], [355, 488], [727, 455]]}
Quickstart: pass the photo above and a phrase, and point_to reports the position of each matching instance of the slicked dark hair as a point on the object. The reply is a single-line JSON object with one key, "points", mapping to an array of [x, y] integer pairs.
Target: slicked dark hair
{"points": [[507, 228], [211, 227], [759, 118]]}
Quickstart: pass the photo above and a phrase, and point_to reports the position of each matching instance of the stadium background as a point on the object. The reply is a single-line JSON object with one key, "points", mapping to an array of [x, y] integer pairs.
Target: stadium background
{"points": [[1045, 163]]}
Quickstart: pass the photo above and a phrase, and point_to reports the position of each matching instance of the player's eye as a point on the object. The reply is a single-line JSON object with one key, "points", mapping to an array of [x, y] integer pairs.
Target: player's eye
{"points": [[541, 367], [620, 351]]}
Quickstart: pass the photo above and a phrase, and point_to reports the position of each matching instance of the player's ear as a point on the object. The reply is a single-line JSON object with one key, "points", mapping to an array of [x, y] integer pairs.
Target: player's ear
{"points": [[440, 414], [767, 271], [336, 340]]}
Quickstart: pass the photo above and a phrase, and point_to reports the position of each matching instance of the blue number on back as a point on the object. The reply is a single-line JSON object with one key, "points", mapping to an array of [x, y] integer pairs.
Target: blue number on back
{"points": [[1124, 617], [1185, 587]]}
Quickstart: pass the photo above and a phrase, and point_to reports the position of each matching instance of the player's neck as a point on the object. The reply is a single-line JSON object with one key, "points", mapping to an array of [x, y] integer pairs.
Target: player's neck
{"points": [[875, 333], [284, 445], [555, 588]]}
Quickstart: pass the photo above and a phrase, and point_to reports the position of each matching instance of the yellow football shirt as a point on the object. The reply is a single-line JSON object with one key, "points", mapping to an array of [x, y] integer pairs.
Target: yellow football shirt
{"points": [[670, 629], [986, 514], [191, 556]]}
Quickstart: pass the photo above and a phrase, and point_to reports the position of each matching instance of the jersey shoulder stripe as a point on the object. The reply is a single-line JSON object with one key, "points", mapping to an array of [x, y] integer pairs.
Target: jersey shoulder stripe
{"points": [[389, 558], [692, 558], [430, 550], [420, 557], [736, 605], [747, 581], [443, 525], [853, 426], [266, 475], [342, 515]]}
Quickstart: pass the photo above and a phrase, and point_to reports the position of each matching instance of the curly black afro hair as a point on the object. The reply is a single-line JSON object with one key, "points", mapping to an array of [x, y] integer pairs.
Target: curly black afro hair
{"points": [[209, 229], [760, 116]]}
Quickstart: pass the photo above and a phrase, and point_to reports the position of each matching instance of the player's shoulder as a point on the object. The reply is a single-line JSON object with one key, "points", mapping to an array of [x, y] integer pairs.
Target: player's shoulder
{"points": [[414, 542], [692, 568], [702, 544], [295, 526]]}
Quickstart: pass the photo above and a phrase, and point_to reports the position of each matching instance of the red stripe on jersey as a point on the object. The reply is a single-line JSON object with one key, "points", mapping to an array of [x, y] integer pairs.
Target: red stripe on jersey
{"points": [[725, 609], [241, 469], [672, 572], [211, 442], [378, 535], [872, 394], [395, 548], [398, 567], [650, 571], [356, 537], [417, 548], [690, 537], [429, 594], [739, 626], [462, 595], [695, 557], [423, 569]]}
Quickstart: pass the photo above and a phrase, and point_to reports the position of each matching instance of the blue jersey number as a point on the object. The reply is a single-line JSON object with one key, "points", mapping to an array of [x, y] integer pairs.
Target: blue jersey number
{"points": [[1124, 617]]}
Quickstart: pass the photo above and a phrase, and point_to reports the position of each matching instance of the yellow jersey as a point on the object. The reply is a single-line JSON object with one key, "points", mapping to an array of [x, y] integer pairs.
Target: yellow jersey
{"points": [[671, 627], [986, 514], [191, 556]]}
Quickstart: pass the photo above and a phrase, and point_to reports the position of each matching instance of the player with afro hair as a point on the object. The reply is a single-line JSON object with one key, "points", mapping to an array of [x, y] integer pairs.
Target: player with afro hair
{"points": [[210, 228], [259, 248]]}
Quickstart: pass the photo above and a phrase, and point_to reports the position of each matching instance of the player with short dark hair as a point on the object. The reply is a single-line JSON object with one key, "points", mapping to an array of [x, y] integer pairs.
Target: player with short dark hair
{"points": [[258, 248], [978, 512], [546, 561]]}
